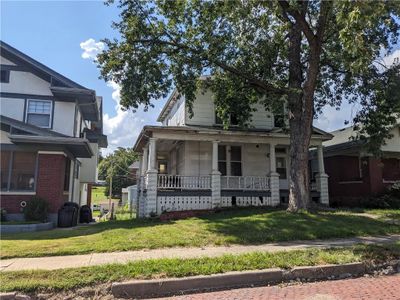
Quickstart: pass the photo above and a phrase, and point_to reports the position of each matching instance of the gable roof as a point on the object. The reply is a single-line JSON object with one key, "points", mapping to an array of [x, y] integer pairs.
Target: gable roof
{"points": [[36, 67]]}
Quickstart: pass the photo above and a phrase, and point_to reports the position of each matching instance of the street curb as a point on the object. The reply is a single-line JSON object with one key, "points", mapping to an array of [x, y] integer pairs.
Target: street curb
{"points": [[174, 286], [163, 287]]}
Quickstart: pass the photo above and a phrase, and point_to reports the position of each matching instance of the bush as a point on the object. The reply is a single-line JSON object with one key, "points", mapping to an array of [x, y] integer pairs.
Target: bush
{"points": [[36, 210], [390, 199], [3, 216]]}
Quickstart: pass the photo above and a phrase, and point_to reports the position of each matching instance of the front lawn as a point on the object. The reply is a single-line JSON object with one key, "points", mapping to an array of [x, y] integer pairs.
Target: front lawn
{"points": [[242, 226], [64, 279]]}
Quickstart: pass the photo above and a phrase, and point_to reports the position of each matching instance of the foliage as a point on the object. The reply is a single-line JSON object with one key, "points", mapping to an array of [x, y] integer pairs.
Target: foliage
{"points": [[3, 215], [243, 227], [307, 54], [116, 166], [36, 209], [390, 199], [64, 279]]}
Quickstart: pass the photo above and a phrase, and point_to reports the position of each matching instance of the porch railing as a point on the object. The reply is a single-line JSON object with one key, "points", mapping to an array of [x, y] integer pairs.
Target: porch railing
{"points": [[184, 182], [245, 183]]}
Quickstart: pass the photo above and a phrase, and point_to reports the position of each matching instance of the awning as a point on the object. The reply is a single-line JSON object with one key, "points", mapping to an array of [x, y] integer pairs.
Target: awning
{"points": [[78, 147]]}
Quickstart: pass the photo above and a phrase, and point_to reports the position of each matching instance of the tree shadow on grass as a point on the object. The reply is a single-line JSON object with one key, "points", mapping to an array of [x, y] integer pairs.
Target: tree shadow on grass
{"points": [[258, 227]]}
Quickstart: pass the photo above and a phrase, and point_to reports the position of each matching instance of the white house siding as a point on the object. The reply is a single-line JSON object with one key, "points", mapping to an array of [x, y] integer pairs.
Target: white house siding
{"points": [[180, 159], [63, 114], [393, 144], [255, 161], [198, 158], [262, 118], [26, 83], [176, 116], [204, 112], [4, 137], [88, 170], [5, 61], [13, 108]]}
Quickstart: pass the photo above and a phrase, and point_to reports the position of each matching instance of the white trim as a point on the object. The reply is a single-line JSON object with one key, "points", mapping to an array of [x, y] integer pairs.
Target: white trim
{"points": [[52, 152], [17, 193], [50, 113], [390, 181]]}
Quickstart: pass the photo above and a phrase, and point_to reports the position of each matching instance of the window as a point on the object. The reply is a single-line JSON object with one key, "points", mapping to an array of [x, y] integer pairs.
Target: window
{"points": [[5, 167], [5, 76], [233, 119], [222, 159], [18, 171], [67, 174], [281, 167], [39, 113], [279, 117], [236, 161]]}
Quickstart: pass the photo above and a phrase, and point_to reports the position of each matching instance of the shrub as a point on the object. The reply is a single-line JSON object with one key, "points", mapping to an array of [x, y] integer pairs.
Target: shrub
{"points": [[390, 199], [36, 209], [3, 215]]}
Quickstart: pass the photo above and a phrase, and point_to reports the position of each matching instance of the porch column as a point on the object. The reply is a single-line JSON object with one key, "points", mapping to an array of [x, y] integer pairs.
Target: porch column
{"points": [[274, 176], [145, 161], [215, 178], [322, 178], [151, 196]]}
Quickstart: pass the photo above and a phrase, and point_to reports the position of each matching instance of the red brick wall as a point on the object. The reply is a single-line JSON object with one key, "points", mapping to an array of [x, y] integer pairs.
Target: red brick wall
{"points": [[49, 185], [350, 194]]}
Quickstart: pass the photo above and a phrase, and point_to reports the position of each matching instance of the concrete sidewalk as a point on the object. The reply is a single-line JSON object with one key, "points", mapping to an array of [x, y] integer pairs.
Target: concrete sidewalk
{"points": [[75, 261]]}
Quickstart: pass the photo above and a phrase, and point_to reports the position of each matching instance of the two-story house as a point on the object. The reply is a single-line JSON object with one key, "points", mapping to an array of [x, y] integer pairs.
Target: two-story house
{"points": [[194, 164], [51, 132]]}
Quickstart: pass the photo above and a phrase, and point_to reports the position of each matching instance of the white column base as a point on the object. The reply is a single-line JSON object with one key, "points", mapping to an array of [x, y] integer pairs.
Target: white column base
{"points": [[274, 186], [322, 187], [216, 189], [151, 197]]}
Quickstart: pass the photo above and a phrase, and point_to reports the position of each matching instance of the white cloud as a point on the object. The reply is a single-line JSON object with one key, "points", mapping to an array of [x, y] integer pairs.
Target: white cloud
{"points": [[121, 127], [91, 48], [392, 58], [331, 119]]}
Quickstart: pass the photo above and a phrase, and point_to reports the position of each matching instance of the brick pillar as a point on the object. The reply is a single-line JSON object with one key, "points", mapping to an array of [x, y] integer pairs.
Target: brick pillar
{"points": [[50, 180]]}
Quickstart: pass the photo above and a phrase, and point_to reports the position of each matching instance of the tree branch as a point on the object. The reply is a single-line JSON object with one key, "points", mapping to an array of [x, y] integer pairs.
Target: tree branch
{"points": [[300, 20]]}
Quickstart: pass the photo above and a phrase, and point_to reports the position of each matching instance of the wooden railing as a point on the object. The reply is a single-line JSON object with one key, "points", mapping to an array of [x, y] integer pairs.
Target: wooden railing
{"points": [[245, 183], [184, 182]]}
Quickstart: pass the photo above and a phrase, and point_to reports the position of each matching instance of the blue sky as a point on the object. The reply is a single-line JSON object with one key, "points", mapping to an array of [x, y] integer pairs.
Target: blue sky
{"points": [[65, 35]]}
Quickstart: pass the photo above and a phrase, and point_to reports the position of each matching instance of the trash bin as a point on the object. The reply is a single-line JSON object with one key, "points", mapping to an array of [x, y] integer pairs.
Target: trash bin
{"points": [[85, 214], [68, 215]]}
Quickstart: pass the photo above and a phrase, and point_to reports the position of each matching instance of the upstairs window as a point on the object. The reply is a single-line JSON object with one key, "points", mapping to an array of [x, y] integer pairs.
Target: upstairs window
{"points": [[5, 76], [38, 113], [233, 120]]}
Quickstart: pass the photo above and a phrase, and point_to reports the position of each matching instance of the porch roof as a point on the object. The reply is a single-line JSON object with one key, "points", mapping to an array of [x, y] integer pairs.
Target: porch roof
{"points": [[210, 133]]}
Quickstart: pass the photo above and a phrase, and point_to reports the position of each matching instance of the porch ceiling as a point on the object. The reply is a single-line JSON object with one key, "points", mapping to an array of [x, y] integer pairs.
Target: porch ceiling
{"points": [[194, 133]]}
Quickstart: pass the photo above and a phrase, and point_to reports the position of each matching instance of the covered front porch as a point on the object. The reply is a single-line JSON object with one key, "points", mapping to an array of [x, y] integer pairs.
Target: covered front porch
{"points": [[185, 168]]}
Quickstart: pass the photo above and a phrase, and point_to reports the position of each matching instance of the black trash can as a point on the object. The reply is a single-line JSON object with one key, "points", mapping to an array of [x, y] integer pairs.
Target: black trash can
{"points": [[66, 216], [75, 213], [85, 214]]}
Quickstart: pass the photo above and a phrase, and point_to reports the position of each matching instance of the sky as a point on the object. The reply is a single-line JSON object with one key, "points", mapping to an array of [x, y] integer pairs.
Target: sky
{"points": [[66, 36]]}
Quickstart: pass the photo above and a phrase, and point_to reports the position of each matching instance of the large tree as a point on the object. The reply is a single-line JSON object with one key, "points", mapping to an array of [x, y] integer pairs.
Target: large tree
{"points": [[306, 54]]}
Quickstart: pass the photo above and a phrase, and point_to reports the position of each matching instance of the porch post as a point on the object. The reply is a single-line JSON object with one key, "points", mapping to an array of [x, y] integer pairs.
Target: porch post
{"points": [[274, 176], [145, 160], [151, 201], [215, 178], [322, 178]]}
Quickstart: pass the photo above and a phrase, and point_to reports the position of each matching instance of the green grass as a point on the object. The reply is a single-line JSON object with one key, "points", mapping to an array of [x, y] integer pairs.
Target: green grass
{"points": [[244, 227], [385, 213], [98, 195], [64, 279]]}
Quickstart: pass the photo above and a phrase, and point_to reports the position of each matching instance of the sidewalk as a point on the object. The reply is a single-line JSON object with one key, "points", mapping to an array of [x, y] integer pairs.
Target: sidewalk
{"points": [[75, 261]]}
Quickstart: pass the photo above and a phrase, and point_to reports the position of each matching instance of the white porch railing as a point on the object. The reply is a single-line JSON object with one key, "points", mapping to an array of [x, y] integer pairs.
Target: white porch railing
{"points": [[184, 182], [245, 183]]}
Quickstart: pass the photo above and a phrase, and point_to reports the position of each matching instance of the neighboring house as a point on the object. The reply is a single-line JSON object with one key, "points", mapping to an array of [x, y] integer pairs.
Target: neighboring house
{"points": [[194, 164], [51, 132], [134, 171], [354, 173]]}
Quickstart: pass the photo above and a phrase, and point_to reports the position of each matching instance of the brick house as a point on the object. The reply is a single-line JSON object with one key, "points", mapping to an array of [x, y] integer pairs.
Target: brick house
{"points": [[354, 173], [51, 133]]}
